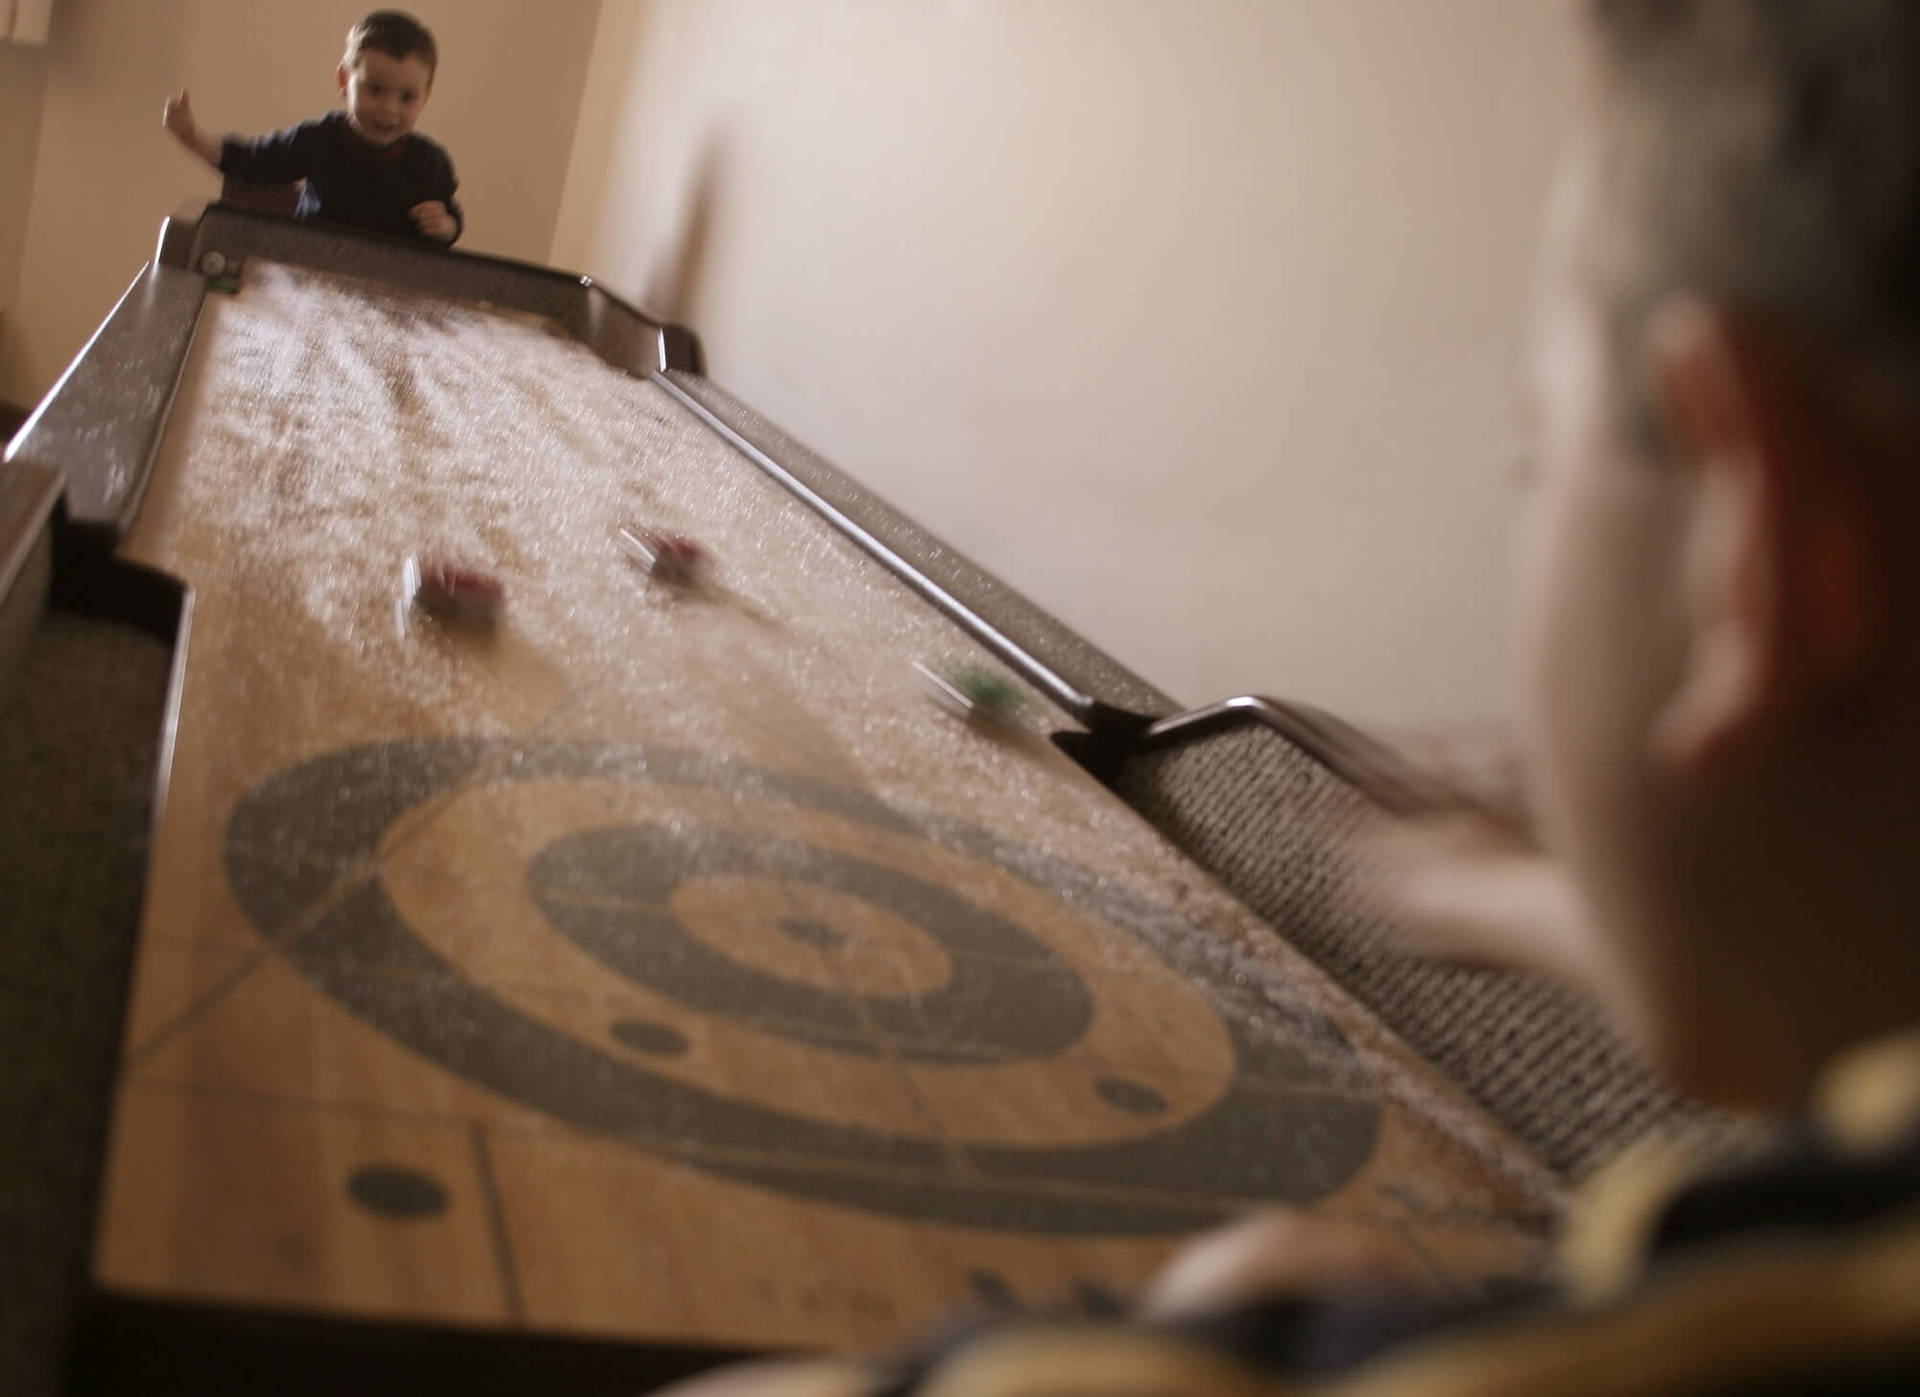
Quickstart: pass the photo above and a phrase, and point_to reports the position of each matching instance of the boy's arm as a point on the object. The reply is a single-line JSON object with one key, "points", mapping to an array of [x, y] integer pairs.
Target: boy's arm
{"points": [[458, 214], [177, 116], [280, 157], [440, 216]]}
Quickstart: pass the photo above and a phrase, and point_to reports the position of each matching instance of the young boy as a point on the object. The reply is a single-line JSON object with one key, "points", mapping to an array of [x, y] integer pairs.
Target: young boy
{"points": [[1720, 597], [363, 165]]}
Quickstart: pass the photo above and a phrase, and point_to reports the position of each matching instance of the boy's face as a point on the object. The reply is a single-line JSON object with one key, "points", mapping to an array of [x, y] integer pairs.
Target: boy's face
{"points": [[384, 94]]}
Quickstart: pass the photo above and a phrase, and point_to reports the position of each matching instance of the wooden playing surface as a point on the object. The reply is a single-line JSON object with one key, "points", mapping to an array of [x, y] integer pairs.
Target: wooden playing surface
{"points": [[664, 967]]}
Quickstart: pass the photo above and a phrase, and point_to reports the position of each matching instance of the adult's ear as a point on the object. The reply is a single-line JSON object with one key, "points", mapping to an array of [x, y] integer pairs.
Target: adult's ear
{"points": [[1782, 587], [341, 75]]}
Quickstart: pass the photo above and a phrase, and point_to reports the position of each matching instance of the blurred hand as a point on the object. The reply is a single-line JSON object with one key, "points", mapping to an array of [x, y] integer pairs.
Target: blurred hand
{"points": [[1279, 1253], [177, 117], [433, 219], [1469, 888]]}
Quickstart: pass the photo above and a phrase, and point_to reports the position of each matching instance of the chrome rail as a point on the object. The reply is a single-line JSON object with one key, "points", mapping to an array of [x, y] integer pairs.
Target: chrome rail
{"points": [[1382, 774]]}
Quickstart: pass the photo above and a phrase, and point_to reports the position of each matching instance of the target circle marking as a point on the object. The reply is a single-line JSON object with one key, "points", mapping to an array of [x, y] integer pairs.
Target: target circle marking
{"points": [[936, 953]]}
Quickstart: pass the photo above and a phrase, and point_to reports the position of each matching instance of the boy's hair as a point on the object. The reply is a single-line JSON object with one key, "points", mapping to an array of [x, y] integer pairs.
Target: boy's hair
{"points": [[395, 33], [1766, 154]]}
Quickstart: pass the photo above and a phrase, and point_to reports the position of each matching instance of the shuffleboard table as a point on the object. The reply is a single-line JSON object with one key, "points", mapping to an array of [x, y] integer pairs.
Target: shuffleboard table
{"points": [[657, 974]]}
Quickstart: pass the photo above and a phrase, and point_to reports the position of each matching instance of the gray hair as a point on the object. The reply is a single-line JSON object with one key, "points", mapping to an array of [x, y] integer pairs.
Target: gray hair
{"points": [[1764, 154]]}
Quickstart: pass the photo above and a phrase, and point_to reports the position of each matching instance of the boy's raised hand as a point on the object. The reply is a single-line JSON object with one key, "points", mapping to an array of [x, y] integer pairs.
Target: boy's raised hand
{"points": [[433, 219], [178, 116]]}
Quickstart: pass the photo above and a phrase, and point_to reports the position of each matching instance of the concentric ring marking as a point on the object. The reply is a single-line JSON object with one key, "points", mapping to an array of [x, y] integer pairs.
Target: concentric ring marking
{"points": [[290, 839], [624, 879]]}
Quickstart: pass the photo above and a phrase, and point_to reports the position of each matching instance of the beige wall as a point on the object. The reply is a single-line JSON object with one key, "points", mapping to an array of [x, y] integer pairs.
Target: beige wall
{"points": [[23, 90], [1196, 321], [504, 104]]}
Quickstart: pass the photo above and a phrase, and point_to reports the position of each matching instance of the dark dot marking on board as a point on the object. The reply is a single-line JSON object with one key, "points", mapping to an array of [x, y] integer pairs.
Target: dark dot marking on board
{"points": [[1130, 1097], [818, 935], [397, 1193], [990, 1289], [654, 1038], [1097, 1301]]}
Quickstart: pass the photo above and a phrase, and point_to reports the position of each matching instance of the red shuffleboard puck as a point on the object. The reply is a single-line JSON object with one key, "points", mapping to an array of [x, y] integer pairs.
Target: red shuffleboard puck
{"points": [[668, 556], [463, 595]]}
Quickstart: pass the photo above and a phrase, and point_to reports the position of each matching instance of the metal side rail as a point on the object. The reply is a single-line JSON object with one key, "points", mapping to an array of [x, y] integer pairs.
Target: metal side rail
{"points": [[1381, 774], [1095, 714], [1113, 732]]}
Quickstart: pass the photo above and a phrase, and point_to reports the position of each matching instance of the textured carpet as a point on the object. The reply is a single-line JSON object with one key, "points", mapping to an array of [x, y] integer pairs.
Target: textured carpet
{"points": [[79, 733], [1278, 829]]}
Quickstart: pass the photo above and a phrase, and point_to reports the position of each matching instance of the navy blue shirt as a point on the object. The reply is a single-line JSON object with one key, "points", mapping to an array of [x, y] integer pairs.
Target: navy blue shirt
{"points": [[348, 178]]}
